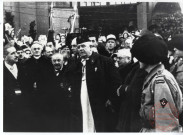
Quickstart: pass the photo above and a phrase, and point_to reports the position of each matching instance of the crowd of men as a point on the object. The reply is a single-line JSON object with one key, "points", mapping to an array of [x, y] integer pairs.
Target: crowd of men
{"points": [[132, 83]]}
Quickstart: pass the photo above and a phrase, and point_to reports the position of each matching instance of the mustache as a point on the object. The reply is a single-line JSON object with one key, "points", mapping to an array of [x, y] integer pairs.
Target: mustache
{"points": [[57, 64]]}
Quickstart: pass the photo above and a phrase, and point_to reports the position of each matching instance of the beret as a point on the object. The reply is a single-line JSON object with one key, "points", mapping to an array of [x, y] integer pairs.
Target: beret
{"points": [[82, 38], [149, 49], [177, 41]]}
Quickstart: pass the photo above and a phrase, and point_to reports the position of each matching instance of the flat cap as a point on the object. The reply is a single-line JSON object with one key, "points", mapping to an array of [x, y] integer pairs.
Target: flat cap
{"points": [[111, 36]]}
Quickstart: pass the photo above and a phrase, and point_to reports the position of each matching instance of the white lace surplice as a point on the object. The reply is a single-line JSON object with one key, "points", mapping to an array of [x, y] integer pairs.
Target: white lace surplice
{"points": [[88, 121]]}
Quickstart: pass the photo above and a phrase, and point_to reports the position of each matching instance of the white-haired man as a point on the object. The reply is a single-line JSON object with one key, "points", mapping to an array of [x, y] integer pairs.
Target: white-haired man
{"points": [[55, 90], [124, 59], [92, 81], [33, 69]]}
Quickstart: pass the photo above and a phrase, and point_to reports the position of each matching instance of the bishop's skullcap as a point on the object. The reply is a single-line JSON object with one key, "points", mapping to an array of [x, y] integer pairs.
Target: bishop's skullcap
{"points": [[81, 39]]}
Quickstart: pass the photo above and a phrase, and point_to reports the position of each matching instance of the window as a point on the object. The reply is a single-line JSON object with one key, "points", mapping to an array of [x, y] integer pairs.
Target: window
{"points": [[62, 4]]}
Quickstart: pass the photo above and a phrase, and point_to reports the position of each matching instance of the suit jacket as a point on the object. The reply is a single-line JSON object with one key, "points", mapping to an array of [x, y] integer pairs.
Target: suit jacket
{"points": [[102, 82], [13, 104]]}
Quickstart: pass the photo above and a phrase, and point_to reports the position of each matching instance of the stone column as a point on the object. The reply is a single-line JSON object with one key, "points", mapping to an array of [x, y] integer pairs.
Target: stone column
{"points": [[142, 15]]}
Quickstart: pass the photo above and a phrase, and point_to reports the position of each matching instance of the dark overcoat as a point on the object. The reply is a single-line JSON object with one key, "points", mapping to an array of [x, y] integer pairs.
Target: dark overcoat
{"points": [[130, 93], [55, 102], [102, 82]]}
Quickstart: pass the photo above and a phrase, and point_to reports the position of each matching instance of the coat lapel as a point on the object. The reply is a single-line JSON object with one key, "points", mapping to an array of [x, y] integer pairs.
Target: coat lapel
{"points": [[8, 73]]}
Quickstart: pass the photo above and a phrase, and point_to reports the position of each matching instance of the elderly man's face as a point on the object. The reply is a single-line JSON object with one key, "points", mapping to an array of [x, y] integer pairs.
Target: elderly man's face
{"points": [[36, 50], [12, 56], [123, 60], [84, 49], [110, 44], [57, 61]]}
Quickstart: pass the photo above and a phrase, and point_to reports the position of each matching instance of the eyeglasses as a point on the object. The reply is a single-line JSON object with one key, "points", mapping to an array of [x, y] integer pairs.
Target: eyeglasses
{"points": [[81, 46], [121, 58], [74, 46]]}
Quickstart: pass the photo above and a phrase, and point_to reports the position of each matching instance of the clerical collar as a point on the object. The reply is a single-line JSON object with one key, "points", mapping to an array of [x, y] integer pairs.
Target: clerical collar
{"points": [[36, 57]]}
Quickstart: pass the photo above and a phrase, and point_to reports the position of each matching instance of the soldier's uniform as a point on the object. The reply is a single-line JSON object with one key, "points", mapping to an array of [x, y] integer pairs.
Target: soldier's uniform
{"points": [[161, 102], [177, 71]]}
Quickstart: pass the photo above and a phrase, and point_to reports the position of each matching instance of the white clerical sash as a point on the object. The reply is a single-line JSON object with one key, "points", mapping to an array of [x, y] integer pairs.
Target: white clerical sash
{"points": [[88, 121]]}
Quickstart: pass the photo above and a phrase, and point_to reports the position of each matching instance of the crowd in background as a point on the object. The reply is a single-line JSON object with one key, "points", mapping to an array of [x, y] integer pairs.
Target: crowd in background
{"points": [[46, 97]]}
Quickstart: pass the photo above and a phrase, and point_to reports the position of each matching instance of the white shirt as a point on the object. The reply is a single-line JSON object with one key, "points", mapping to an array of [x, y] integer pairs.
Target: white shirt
{"points": [[13, 69]]}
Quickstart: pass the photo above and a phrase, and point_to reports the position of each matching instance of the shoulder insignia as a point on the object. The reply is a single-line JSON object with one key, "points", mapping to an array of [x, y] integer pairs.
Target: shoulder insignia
{"points": [[160, 81], [159, 77], [163, 102]]}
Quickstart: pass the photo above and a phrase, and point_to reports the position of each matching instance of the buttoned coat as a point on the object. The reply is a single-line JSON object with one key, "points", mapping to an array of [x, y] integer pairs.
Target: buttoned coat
{"points": [[55, 100]]}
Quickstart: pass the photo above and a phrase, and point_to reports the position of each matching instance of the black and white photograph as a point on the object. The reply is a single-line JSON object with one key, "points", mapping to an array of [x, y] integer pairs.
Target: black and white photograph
{"points": [[92, 66]]}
